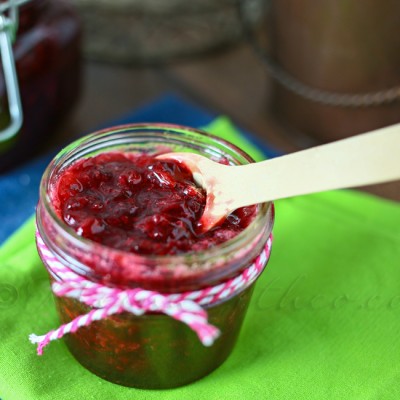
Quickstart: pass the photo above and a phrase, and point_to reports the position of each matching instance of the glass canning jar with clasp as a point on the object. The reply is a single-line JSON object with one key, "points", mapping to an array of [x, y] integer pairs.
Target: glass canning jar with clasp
{"points": [[40, 80]]}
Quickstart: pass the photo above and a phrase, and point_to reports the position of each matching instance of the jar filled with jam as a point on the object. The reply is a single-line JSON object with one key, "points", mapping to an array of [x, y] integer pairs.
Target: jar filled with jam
{"points": [[47, 54], [119, 217]]}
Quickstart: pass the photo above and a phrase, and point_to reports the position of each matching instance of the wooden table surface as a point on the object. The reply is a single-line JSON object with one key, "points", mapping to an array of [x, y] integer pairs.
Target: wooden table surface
{"points": [[231, 81]]}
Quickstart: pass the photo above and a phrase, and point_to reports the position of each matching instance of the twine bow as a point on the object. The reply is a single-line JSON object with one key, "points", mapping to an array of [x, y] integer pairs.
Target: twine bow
{"points": [[105, 301]]}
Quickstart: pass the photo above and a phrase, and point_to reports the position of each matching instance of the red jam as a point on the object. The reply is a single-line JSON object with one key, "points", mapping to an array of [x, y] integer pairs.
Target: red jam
{"points": [[145, 207], [47, 54], [139, 204]]}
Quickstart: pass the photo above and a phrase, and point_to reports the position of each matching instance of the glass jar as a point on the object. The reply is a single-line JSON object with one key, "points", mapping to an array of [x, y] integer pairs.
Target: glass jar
{"points": [[153, 350], [47, 54]]}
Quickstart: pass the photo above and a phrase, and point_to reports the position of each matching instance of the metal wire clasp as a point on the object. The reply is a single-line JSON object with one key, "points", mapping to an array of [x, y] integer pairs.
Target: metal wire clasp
{"points": [[8, 29]]}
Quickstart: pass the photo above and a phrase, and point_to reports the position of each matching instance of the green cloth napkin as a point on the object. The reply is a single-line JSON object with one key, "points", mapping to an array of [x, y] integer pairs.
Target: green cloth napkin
{"points": [[324, 321]]}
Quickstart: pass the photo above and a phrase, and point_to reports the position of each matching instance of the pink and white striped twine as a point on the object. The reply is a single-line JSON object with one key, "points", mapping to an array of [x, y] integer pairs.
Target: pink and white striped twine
{"points": [[106, 301]]}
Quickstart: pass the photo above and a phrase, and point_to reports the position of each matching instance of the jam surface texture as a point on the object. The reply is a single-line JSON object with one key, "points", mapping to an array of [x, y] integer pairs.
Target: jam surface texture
{"points": [[137, 203]]}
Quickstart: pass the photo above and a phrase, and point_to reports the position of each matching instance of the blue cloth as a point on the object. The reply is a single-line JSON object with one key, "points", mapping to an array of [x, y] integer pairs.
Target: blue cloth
{"points": [[19, 188]]}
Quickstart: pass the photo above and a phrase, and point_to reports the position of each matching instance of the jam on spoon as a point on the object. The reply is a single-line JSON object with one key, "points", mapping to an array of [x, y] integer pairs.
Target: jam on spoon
{"points": [[366, 159]]}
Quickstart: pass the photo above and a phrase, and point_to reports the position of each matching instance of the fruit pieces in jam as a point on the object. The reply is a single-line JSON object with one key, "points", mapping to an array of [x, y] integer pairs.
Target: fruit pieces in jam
{"points": [[137, 203]]}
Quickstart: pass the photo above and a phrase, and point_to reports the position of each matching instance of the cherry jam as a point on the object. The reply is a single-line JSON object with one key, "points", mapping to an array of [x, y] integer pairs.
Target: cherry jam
{"points": [[139, 204], [116, 215], [47, 54]]}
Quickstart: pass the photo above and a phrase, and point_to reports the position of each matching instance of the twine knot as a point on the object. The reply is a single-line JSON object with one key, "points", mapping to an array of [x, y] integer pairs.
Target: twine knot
{"points": [[106, 301]]}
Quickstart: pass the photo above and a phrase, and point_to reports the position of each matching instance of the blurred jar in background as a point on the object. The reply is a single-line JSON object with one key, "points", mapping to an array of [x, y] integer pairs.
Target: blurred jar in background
{"points": [[337, 65], [160, 31], [47, 54]]}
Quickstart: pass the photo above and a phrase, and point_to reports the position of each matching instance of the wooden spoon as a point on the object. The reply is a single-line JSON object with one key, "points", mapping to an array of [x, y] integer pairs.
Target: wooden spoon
{"points": [[365, 159]]}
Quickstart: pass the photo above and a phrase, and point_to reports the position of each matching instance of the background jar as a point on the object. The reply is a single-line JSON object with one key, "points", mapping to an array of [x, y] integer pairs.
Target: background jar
{"points": [[47, 55], [339, 67], [150, 351]]}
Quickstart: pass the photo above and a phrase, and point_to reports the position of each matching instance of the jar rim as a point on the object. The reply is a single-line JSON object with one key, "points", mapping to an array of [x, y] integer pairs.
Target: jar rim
{"points": [[159, 263]]}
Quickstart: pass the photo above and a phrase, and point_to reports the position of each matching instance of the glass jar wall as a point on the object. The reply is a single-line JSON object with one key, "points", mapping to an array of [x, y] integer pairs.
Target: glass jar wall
{"points": [[47, 54], [153, 350]]}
